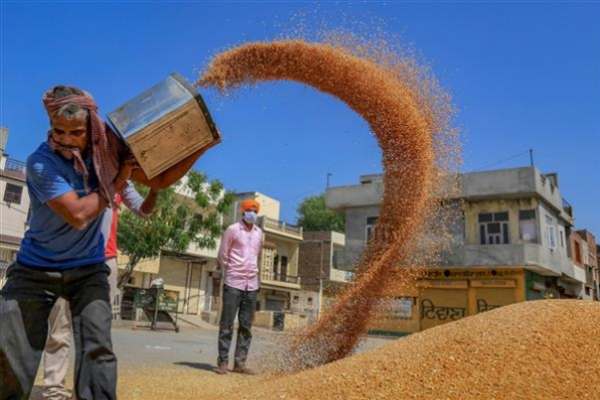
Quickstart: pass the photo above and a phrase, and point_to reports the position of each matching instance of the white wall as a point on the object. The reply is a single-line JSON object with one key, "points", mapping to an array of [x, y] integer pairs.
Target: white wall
{"points": [[561, 246], [13, 217]]}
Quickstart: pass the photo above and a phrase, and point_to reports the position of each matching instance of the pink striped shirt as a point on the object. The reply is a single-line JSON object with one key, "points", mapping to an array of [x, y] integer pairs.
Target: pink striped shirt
{"points": [[238, 256]]}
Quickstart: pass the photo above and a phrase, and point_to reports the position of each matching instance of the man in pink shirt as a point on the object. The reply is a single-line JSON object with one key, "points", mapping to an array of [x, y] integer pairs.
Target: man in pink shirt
{"points": [[238, 257]]}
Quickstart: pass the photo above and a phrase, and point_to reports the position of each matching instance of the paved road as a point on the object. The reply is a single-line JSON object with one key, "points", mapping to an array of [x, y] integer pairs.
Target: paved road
{"points": [[192, 346], [191, 351]]}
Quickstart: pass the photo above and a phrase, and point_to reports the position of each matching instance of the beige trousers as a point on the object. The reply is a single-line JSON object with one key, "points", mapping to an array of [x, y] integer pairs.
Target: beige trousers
{"points": [[56, 352], [115, 293]]}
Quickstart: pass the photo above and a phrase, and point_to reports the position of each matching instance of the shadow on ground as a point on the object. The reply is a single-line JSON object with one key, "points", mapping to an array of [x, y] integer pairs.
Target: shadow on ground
{"points": [[197, 365]]}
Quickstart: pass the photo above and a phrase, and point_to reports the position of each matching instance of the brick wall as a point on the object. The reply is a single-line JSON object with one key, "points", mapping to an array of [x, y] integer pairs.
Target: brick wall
{"points": [[314, 254]]}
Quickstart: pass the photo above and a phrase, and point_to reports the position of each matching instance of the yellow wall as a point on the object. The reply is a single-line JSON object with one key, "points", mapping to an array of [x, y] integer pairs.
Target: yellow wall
{"points": [[269, 207], [138, 279], [382, 322], [454, 299], [149, 265], [473, 209], [174, 273], [295, 321], [286, 248], [293, 266], [442, 299], [264, 319]]}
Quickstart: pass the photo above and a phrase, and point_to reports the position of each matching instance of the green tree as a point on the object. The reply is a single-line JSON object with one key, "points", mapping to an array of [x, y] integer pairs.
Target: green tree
{"points": [[177, 221], [313, 215]]}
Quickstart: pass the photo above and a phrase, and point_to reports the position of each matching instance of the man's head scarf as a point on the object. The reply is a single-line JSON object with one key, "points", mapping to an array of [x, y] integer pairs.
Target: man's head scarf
{"points": [[249, 204], [104, 144]]}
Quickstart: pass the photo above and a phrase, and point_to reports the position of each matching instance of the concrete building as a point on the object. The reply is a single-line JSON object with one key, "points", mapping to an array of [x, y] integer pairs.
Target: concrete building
{"points": [[511, 244], [14, 205], [320, 276], [584, 255], [360, 204], [278, 262], [598, 271]]}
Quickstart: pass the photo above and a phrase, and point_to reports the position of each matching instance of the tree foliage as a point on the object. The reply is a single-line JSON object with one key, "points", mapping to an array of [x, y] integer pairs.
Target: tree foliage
{"points": [[313, 215], [178, 221]]}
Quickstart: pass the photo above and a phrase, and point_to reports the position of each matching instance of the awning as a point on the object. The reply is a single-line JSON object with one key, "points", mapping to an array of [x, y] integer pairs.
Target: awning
{"points": [[185, 257]]}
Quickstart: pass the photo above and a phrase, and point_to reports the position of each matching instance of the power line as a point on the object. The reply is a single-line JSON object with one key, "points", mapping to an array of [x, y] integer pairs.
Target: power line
{"points": [[501, 161]]}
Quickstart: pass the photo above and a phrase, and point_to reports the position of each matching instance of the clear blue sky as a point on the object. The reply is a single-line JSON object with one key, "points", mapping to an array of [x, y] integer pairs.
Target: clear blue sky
{"points": [[522, 76]]}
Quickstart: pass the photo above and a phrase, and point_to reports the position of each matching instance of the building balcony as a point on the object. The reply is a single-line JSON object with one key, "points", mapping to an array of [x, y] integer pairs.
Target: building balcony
{"points": [[589, 277], [12, 168], [368, 193], [280, 280], [516, 183], [574, 273], [567, 207], [14, 165], [280, 228], [531, 256]]}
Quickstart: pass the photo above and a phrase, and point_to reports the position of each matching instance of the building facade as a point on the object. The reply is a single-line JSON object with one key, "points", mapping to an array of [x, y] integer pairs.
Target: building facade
{"points": [[511, 243], [14, 205], [320, 272], [584, 255]]}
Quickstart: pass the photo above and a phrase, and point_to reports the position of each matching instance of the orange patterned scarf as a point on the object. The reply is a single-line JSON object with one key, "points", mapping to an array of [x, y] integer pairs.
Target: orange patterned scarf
{"points": [[104, 144]]}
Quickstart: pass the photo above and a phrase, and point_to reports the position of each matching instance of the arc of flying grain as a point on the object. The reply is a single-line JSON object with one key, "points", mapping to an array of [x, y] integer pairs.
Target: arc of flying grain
{"points": [[405, 137]]}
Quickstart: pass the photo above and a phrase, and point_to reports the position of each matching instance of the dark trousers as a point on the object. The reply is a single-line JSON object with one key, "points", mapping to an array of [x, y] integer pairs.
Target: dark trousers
{"points": [[25, 304], [242, 302]]}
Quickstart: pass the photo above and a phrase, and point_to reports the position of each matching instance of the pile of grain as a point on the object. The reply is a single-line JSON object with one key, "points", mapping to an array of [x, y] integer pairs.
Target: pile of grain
{"points": [[545, 349], [179, 383], [404, 122], [533, 350]]}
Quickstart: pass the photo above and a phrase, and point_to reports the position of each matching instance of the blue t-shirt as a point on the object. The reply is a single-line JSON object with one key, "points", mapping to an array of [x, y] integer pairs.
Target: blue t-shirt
{"points": [[50, 242]]}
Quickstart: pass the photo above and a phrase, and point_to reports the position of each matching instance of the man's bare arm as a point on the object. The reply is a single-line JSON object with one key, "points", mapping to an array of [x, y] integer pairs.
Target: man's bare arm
{"points": [[149, 202], [78, 211], [170, 176]]}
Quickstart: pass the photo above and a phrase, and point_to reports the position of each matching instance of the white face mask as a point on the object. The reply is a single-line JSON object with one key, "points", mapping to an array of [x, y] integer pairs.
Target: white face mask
{"points": [[250, 217]]}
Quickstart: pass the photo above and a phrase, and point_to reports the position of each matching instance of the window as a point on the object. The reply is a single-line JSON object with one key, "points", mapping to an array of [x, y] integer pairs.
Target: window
{"points": [[7, 255], [552, 236], [550, 232], [370, 229], [13, 193], [562, 238], [527, 226], [577, 253], [336, 258], [493, 228], [401, 307], [284, 265], [268, 259]]}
